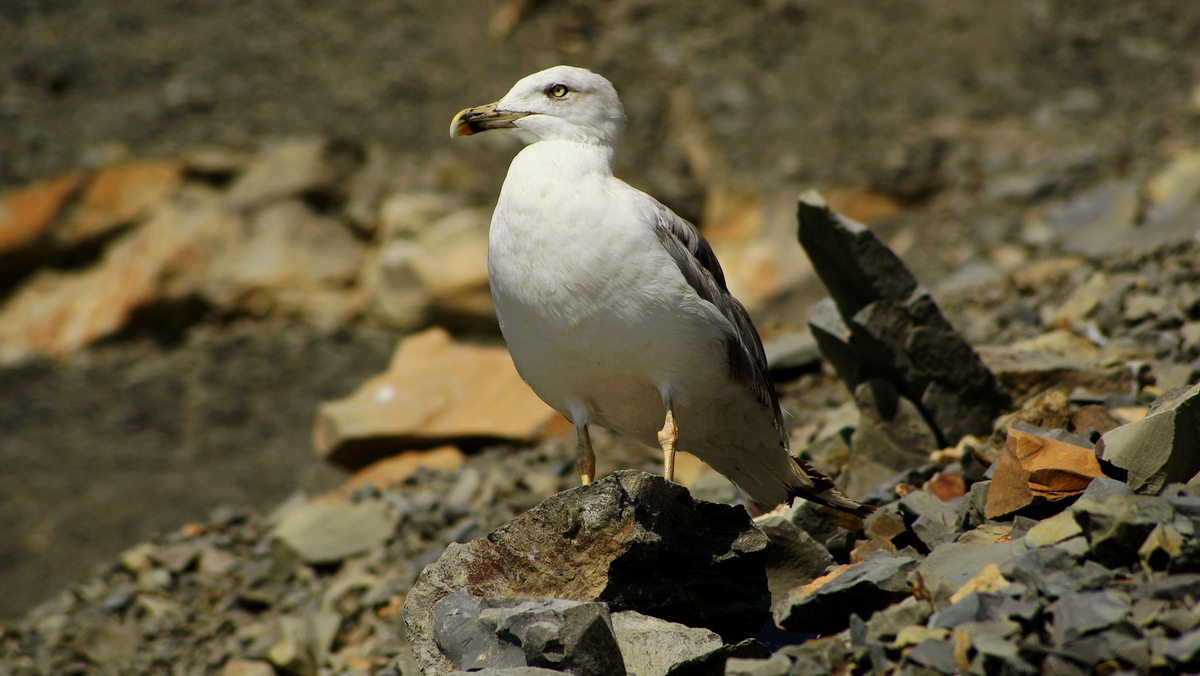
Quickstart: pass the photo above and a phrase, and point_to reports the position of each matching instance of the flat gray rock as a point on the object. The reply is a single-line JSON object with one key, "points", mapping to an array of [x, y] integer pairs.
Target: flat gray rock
{"points": [[1163, 447], [573, 636], [327, 532], [653, 647]]}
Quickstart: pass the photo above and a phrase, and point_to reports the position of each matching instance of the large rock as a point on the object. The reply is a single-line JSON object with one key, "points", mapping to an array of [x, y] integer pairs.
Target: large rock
{"points": [[329, 531], [436, 391], [1163, 447], [567, 636], [886, 326], [632, 539]]}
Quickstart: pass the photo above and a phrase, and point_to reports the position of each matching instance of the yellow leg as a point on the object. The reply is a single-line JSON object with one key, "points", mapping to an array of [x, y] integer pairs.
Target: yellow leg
{"points": [[667, 438], [586, 462]]}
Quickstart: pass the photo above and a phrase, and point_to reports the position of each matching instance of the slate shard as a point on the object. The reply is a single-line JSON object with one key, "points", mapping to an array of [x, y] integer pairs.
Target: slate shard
{"points": [[887, 326]]}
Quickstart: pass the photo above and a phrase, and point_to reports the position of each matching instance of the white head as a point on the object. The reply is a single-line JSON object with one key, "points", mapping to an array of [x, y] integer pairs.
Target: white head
{"points": [[559, 103]]}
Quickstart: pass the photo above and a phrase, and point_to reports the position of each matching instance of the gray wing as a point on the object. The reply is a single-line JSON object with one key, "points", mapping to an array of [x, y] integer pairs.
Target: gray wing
{"points": [[696, 260]]}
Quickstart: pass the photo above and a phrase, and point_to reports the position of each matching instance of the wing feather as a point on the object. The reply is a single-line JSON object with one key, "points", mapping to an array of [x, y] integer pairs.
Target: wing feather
{"points": [[700, 268]]}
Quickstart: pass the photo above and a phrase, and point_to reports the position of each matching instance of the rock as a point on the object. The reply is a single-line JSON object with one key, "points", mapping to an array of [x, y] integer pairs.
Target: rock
{"points": [[885, 624], [568, 636], [117, 196], [26, 213], [165, 258], [329, 531], [886, 327], [934, 654], [1025, 371], [654, 647], [1053, 530], [825, 604], [1099, 221], [630, 539], [891, 433], [435, 391], [1044, 272], [1163, 545], [392, 470], [795, 352], [240, 667], [794, 558], [1117, 527], [294, 166], [1171, 191], [1163, 447], [107, 644], [1034, 470], [953, 565], [288, 261], [1077, 615], [929, 518]]}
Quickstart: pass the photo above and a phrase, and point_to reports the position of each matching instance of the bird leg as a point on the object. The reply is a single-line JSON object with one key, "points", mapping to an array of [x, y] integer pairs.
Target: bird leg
{"points": [[586, 462], [667, 438]]}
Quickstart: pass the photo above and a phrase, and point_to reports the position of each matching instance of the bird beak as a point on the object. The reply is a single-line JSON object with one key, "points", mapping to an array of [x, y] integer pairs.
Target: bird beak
{"points": [[482, 118]]}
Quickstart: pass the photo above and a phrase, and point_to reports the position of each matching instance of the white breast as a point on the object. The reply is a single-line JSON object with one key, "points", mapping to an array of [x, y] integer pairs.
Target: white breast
{"points": [[597, 316]]}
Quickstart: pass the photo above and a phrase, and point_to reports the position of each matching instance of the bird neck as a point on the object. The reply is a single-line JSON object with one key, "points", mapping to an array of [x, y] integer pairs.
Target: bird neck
{"points": [[567, 160]]}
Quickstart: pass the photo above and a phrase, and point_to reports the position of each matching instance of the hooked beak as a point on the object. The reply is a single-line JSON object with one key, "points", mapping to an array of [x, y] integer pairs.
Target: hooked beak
{"points": [[482, 118]]}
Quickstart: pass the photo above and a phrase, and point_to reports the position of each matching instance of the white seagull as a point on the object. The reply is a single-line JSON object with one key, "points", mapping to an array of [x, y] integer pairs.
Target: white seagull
{"points": [[615, 309]]}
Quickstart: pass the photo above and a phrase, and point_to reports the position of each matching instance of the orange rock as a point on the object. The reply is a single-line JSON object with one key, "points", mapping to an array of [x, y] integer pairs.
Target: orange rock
{"points": [[946, 486], [25, 213], [866, 548], [863, 205], [119, 195], [1034, 470], [55, 313], [435, 391], [393, 470]]}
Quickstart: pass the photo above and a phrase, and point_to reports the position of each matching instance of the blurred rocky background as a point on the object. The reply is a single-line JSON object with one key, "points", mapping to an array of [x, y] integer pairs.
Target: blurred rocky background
{"points": [[240, 258]]}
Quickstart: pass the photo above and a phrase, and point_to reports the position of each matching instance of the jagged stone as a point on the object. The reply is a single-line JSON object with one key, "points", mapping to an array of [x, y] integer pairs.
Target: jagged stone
{"points": [[630, 539], [1077, 615], [930, 519], [952, 565], [1117, 527], [826, 604], [572, 636], [891, 329], [794, 558], [1161, 448]]}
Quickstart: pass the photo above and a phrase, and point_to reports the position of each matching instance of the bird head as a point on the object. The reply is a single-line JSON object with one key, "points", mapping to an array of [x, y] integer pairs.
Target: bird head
{"points": [[559, 103]]}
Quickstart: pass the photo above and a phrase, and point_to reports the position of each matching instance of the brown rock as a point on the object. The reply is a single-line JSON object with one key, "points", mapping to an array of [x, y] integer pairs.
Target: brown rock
{"points": [[946, 486], [1035, 470], [1044, 272], [435, 391], [389, 471], [118, 196], [631, 539], [863, 204], [56, 313], [25, 213], [290, 260]]}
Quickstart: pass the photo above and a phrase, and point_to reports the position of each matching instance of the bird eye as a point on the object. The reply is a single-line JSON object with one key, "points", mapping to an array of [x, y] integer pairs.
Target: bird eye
{"points": [[558, 91]]}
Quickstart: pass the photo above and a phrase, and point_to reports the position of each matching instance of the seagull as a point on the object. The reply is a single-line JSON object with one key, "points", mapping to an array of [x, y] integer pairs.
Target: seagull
{"points": [[615, 309]]}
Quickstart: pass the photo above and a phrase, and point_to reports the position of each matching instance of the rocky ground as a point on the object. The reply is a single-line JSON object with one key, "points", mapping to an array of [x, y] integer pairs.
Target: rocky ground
{"points": [[204, 236]]}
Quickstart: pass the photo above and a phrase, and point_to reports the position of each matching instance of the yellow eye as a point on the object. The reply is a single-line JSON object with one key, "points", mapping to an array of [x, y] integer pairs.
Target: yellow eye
{"points": [[558, 91]]}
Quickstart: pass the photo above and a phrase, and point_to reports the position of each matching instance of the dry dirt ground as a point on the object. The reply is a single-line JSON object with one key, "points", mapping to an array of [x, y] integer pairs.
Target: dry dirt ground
{"points": [[922, 101]]}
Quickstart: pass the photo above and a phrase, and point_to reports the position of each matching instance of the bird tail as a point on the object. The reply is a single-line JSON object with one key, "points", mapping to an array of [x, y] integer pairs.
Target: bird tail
{"points": [[824, 492]]}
